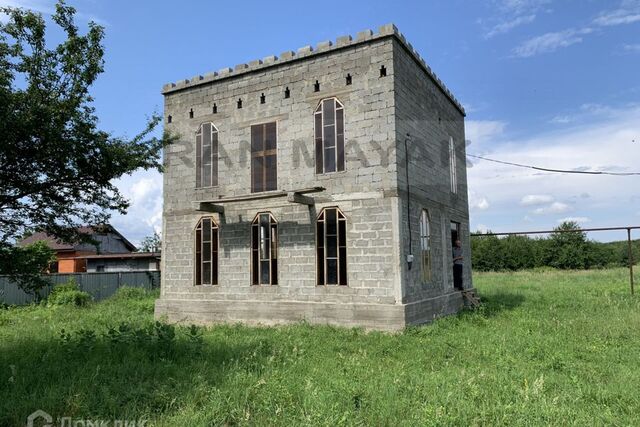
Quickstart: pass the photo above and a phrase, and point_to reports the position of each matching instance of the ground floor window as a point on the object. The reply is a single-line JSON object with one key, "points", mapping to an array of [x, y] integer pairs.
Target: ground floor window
{"points": [[331, 247], [206, 247], [264, 250]]}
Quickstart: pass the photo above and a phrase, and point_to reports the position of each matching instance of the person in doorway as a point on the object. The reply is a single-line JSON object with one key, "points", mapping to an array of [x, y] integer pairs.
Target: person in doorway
{"points": [[457, 265]]}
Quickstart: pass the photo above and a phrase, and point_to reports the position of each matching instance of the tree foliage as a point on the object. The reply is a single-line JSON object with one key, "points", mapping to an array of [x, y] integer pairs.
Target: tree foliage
{"points": [[56, 166], [152, 243], [25, 265], [566, 248]]}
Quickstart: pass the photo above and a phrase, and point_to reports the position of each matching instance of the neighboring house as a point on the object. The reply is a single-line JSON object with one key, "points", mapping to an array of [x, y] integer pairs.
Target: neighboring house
{"points": [[135, 261], [72, 257], [324, 185]]}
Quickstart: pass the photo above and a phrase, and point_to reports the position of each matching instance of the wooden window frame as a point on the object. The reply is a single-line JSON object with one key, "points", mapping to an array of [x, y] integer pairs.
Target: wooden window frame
{"points": [[257, 257], [200, 165], [264, 153], [321, 139], [322, 248], [425, 245], [199, 243], [453, 162]]}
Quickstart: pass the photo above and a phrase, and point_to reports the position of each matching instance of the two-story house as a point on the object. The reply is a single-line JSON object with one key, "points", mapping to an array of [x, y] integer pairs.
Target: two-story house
{"points": [[324, 185]]}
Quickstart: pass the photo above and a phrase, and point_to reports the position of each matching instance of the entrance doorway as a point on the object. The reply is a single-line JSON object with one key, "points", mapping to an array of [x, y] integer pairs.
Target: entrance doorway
{"points": [[456, 252]]}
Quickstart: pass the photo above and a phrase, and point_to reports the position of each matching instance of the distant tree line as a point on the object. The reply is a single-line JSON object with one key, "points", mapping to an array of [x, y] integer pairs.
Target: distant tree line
{"points": [[563, 250]]}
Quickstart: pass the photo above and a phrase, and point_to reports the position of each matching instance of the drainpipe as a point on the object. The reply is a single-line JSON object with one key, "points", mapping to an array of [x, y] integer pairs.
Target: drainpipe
{"points": [[406, 169]]}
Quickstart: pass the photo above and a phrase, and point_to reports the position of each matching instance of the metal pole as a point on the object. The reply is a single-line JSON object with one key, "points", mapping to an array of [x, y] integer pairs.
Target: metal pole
{"points": [[630, 259]]}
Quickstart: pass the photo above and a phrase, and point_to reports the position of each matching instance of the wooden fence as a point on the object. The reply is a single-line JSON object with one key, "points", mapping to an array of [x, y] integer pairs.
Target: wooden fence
{"points": [[98, 285]]}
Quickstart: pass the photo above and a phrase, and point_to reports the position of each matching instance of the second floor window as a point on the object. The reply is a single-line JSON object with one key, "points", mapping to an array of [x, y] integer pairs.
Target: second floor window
{"points": [[329, 136], [452, 166], [207, 156], [264, 157]]}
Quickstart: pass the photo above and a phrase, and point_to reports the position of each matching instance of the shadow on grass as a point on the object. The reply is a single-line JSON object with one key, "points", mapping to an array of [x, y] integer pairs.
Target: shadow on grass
{"points": [[106, 380], [494, 303]]}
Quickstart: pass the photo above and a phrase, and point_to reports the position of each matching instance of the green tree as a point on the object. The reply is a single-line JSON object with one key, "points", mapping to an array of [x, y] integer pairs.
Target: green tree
{"points": [[56, 166], [567, 247], [151, 243], [25, 265]]}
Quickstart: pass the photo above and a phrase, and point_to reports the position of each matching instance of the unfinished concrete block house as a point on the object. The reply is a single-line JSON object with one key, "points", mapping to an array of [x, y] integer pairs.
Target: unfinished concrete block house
{"points": [[323, 185]]}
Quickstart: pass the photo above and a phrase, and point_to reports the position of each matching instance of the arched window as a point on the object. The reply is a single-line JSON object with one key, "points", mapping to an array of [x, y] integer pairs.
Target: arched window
{"points": [[425, 245], [206, 156], [264, 250], [206, 271], [453, 162], [331, 247], [329, 136]]}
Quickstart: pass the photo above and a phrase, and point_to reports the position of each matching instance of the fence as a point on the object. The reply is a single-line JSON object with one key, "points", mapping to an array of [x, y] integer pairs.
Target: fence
{"points": [[98, 285], [580, 230]]}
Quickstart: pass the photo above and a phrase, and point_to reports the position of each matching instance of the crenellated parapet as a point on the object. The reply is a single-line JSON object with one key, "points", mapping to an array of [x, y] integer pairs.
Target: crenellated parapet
{"points": [[342, 42]]}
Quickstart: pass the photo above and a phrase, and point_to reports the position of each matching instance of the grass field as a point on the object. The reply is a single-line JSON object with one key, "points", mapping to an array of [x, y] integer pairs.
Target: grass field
{"points": [[547, 348]]}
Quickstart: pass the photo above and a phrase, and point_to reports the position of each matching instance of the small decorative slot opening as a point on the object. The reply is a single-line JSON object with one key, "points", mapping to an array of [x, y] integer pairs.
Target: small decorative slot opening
{"points": [[348, 79], [383, 71], [287, 92], [262, 99], [316, 87], [239, 103], [215, 108], [191, 113]]}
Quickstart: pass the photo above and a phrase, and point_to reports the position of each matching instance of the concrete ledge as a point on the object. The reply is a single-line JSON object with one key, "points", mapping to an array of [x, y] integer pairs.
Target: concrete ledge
{"points": [[385, 317]]}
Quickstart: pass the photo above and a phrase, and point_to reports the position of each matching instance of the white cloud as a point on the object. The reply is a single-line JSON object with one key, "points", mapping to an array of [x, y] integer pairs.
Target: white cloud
{"points": [[632, 48], [600, 142], [578, 219], [553, 208], [550, 42], [143, 189], [35, 5], [627, 13], [47, 7], [478, 202], [561, 119], [536, 199], [510, 14], [481, 131], [521, 6], [506, 26], [481, 228]]}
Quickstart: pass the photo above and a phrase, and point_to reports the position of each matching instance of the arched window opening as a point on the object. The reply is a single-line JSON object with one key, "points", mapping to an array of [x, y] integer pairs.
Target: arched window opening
{"points": [[331, 247]]}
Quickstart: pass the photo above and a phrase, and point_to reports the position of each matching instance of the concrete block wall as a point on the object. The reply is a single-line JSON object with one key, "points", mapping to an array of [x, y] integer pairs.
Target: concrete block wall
{"points": [[369, 191], [371, 252], [369, 127], [429, 117]]}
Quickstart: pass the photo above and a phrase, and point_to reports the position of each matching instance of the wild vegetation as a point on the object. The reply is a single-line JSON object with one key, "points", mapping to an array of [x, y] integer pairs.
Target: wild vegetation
{"points": [[566, 249], [57, 167], [547, 348]]}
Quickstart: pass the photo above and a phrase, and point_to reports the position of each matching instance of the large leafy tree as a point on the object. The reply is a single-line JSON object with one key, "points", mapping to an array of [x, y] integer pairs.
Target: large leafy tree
{"points": [[56, 166], [152, 243]]}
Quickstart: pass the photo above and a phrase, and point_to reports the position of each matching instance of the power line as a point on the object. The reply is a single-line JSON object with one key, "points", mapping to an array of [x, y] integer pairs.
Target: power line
{"points": [[556, 170]]}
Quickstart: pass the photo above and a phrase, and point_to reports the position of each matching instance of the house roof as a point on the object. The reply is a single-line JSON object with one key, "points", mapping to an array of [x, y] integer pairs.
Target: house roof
{"points": [[58, 245]]}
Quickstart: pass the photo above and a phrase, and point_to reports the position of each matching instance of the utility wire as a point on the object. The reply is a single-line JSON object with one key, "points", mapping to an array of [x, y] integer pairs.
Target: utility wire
{"points": [[556, 170]]}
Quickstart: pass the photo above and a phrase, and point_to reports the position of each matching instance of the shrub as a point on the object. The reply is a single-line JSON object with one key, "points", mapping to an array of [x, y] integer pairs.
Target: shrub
{"points": [[130, 293], [68, 294]]}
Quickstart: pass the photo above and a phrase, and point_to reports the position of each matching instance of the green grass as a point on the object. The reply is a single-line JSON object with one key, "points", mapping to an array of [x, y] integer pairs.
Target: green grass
{"points": [[547, 348]]}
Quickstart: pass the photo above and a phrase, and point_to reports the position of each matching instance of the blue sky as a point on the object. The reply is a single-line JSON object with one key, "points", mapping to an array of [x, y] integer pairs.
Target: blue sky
{"points": [[544, 82]]}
